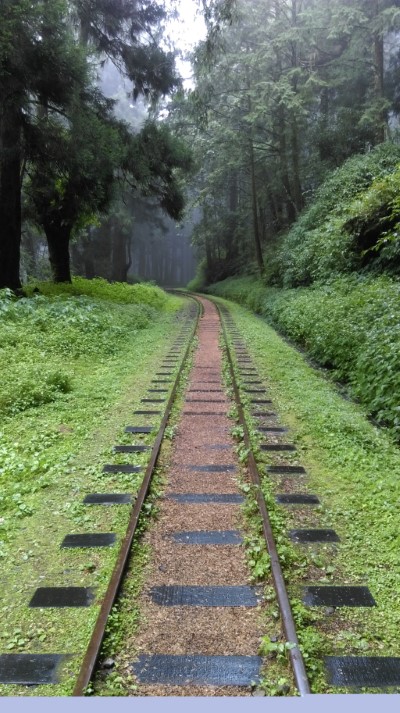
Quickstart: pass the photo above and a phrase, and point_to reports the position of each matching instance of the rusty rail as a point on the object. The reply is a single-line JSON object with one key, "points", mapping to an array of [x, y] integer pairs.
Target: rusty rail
{"points": [[96, 640], [289, 627]]}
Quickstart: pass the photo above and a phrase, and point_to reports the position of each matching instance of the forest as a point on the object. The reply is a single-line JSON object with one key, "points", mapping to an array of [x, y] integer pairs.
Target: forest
{"points": [[199, 347], [294, 119], [72, 171]]}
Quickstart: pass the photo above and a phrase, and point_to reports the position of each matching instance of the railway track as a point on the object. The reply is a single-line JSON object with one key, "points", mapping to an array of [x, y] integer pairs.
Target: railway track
{"points": [[201, 575]]}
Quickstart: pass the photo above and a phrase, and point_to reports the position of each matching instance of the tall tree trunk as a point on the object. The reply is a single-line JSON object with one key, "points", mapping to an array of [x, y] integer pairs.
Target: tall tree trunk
{"points": [[10, 196], [381, 130], [294, 138], [120, 264], [28, 244], [256, 230], [230, 242], [297, 191], [289, 202], [58, 238]]}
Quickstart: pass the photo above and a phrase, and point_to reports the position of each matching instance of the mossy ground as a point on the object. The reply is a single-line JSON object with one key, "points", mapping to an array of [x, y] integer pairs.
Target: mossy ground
{"points": [[354, 469], [58, 450]]}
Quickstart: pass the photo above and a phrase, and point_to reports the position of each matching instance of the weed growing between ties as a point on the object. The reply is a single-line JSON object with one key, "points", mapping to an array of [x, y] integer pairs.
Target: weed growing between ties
{"points": [[353, 467], [113, 674], [58, 455], [278, 678]]}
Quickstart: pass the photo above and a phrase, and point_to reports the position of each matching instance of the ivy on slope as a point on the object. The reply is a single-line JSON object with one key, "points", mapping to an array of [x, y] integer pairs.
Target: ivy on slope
{"points": [[351, 225], [350, 325]]}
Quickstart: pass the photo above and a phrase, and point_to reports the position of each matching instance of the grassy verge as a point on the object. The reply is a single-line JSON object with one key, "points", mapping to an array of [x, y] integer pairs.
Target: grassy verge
{"points": [[354, 469], [54, 443], [350, 326], [126, 616]]}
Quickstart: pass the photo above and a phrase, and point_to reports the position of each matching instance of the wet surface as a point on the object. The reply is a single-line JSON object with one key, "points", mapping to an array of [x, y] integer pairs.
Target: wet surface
{"points": [[371, 671], [30, 669], [206, 670], [90, 539], [338, 596], [204, 596], [62, 597]]}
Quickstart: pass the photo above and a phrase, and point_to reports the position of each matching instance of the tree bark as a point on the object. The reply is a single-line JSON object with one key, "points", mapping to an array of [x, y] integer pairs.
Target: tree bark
{"points": [[297, 190], [10, 196], [382, 125], [256, 230], [120, 262], [58, 238]]}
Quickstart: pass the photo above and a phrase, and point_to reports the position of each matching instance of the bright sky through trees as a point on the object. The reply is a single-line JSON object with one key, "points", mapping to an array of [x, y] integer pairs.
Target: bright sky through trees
{"points": [[186, 31]]}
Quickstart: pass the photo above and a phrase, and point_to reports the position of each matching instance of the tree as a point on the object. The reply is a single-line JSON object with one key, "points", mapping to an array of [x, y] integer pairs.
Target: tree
{"points": [[39, 68], [290, 89], [71, 176], [43, 75]]}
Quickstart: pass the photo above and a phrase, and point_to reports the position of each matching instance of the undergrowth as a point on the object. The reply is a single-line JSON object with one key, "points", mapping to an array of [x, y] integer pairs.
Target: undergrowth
{"points": [[350, 325], [353, 468]]}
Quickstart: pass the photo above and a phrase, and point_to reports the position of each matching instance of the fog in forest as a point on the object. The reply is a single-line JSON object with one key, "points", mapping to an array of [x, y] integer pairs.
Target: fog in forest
{"points": [[136, 240]]}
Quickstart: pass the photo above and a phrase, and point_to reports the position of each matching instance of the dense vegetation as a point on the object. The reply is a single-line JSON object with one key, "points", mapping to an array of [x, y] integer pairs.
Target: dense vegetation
{"points": [[57, 350], [314, 83], [299, 181], [60, 134], [354, 468], [350, 325], [77, 359], [334, 302], [41, 337]]}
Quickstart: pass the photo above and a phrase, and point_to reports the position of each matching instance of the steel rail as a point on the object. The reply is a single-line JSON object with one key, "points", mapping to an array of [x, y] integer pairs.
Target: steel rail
{"points": [[289, 627], [96, 640]]}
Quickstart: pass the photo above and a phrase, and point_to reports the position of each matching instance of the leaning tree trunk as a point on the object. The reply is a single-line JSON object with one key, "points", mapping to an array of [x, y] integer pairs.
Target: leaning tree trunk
{"points": [[58, 238], [10, 197]]}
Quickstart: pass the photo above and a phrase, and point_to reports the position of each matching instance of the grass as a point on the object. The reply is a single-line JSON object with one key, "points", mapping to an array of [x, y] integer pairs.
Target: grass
{"points": [[354, 469], [350, 326], [52, 452], [125, 618]]}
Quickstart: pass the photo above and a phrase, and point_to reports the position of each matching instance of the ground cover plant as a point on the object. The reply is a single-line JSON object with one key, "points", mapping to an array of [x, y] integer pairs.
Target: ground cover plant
{"points": [[353, 467], [350, 325], [350, 225], [76, 367]]}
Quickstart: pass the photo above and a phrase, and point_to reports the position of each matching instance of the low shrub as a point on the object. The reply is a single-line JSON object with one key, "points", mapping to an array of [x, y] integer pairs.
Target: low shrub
{"points": [[350, 325], [100, 289], [37, 385], [41, 334]]}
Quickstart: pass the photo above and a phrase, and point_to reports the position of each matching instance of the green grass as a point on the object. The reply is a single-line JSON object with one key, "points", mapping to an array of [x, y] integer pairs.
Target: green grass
{"points": [[354, 468], [350, 325], [100, 289], [126, 615], [53, 447]]}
